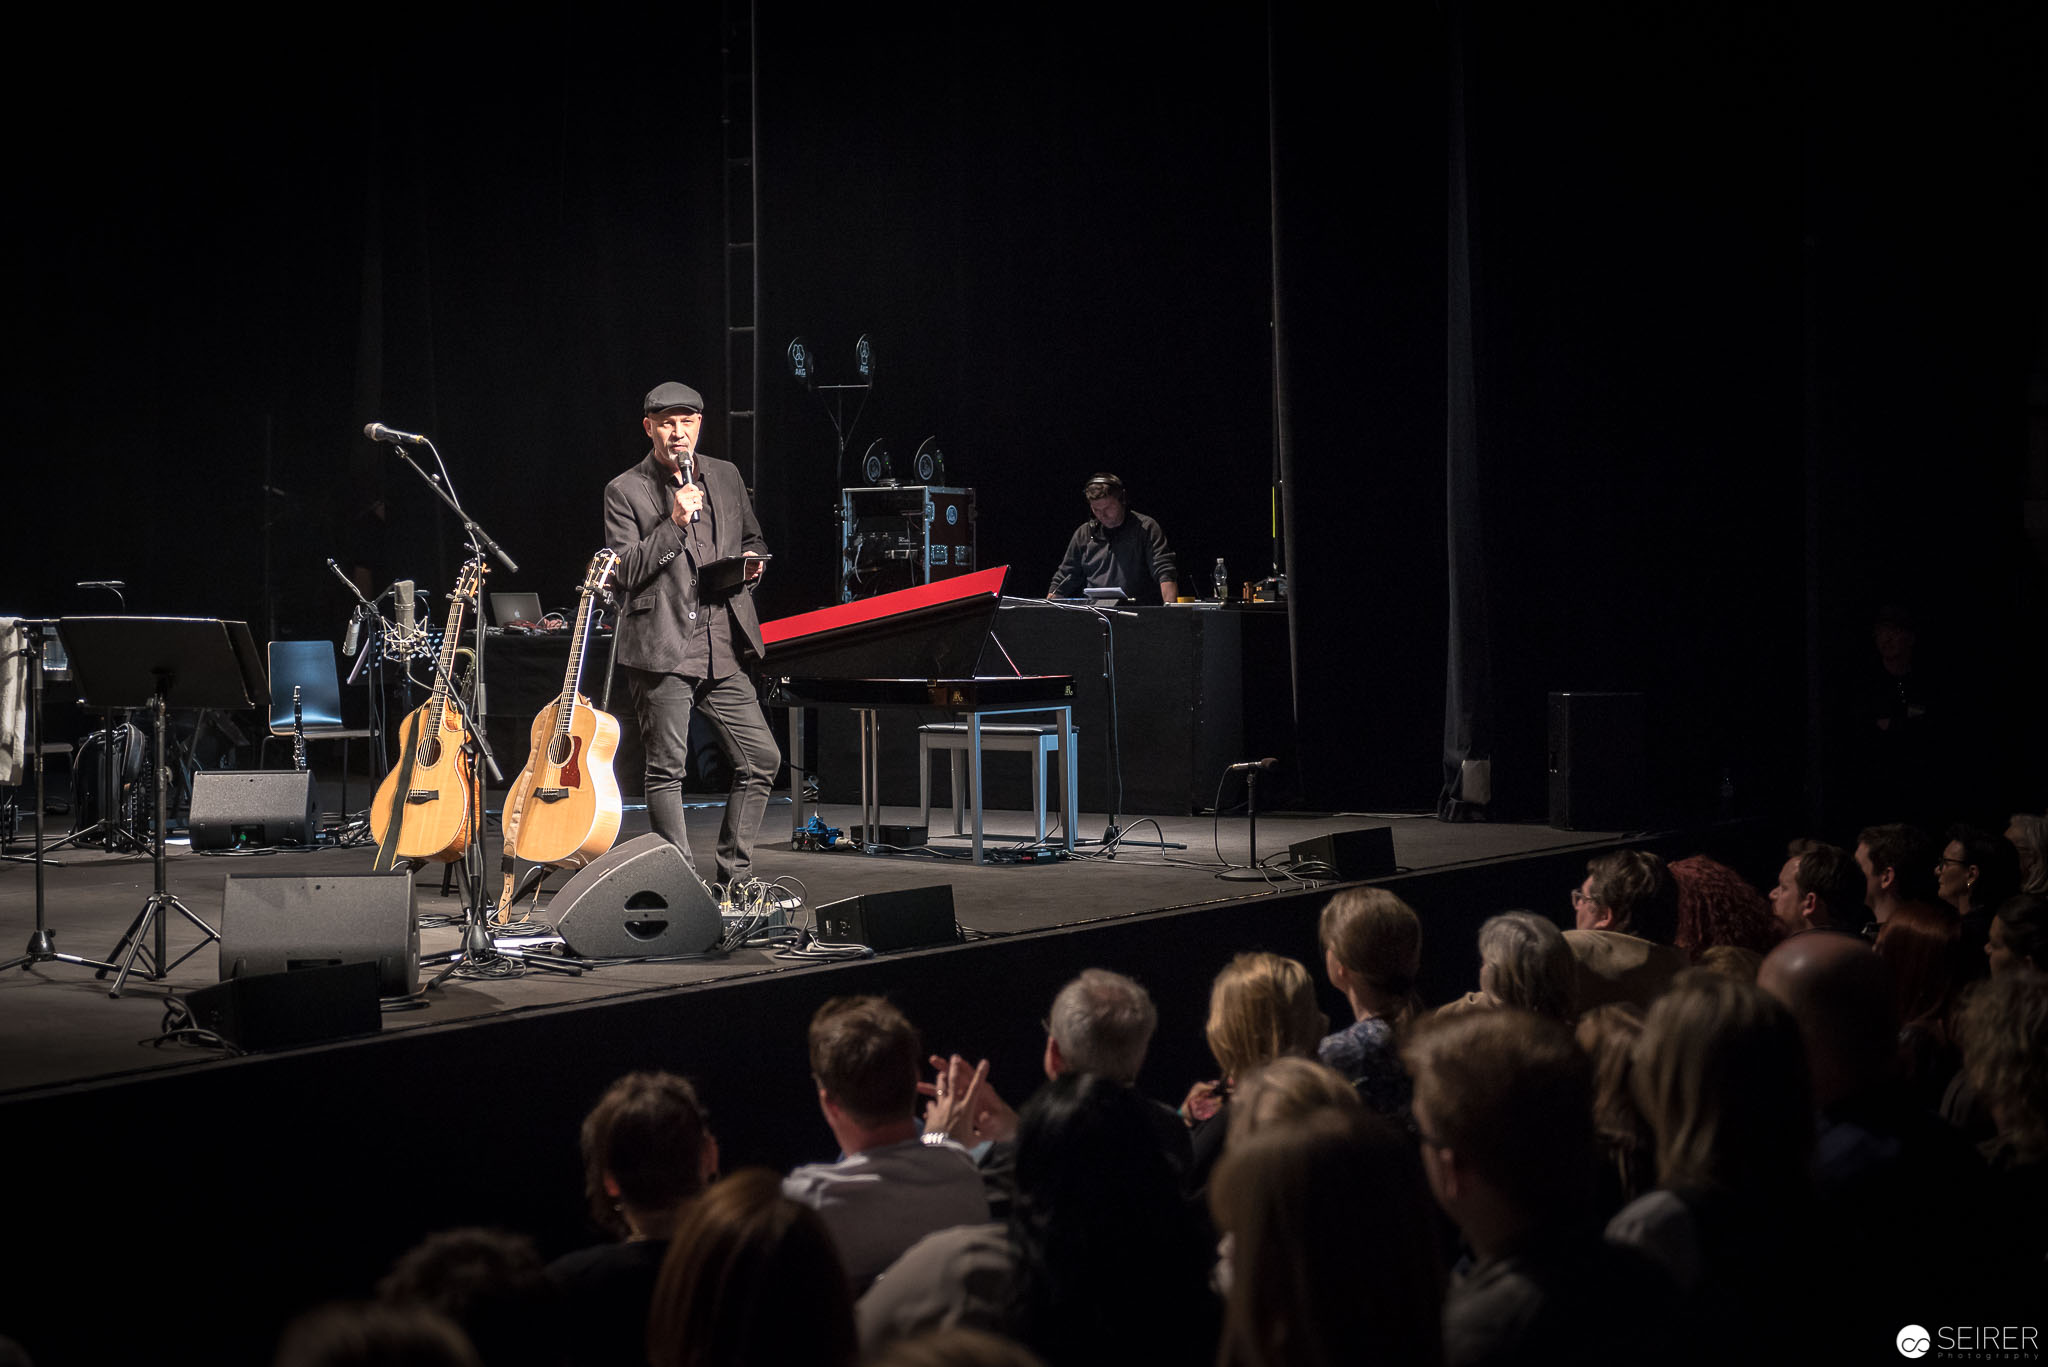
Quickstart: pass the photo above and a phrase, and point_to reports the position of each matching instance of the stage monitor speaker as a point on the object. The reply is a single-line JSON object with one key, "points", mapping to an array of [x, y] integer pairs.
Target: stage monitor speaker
{"points": [[288, 922], [233, 807], [639, 899], [1598, 770], [285, 1010], [1352, 855], [908, 919]]}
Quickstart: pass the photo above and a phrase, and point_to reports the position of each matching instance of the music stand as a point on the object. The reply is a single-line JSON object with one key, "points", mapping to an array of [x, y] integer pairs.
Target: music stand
{"points": [[156, 662]]}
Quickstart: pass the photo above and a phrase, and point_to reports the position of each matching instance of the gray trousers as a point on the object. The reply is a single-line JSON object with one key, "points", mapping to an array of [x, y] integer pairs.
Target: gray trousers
{"points": [[664, 703]]}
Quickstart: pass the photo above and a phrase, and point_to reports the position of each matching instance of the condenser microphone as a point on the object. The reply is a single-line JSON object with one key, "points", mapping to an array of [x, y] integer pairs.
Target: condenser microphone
{"points": [[1251, 764], [405, 608], [377, 431], [353, 642]]}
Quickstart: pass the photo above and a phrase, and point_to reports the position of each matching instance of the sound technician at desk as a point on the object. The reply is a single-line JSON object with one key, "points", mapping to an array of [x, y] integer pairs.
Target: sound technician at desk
{"points": [[1116, 548]]}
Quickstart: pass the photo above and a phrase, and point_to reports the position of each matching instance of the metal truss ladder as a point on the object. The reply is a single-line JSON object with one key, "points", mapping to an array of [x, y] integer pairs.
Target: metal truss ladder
{"points": [[742, 259]]}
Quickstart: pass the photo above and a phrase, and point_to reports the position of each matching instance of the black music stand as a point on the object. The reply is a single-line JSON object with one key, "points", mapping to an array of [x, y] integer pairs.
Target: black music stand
{"points": [[157, 662], [42, 946]]}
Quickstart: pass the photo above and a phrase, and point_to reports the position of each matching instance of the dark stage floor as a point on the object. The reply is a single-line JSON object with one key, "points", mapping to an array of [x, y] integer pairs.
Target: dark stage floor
{"points": [[58, 1025]]}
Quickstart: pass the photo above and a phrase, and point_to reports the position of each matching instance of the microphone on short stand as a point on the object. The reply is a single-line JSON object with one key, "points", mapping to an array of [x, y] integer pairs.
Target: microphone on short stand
{"points": [[377, 431], [1252, 765]]}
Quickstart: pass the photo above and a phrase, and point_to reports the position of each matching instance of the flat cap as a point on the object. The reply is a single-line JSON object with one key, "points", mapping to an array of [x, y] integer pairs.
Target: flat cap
{"points": [[663, 397]]}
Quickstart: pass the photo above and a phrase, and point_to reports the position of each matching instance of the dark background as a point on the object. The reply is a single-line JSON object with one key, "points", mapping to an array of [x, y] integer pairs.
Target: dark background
{"points": [[1758, 298]]}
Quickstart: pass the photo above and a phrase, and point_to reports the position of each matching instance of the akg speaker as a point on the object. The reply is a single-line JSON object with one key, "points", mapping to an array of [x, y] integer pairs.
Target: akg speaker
{"points": [[284, 1010], [908, 919], [286, 922], [641, 898], [261, 807], [1598, 771], [1351, 855]]}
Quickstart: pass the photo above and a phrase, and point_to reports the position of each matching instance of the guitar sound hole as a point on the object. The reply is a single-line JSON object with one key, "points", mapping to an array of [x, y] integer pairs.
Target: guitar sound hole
{"points": [[430, 751], [559, 750]]}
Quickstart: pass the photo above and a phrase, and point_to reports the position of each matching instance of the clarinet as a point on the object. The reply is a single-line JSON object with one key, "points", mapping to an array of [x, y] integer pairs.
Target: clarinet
{"points": [[298, 729]]}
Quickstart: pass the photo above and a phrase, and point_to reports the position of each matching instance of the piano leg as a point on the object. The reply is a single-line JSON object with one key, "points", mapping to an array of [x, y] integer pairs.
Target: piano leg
{"points": [[974, 779], [799, 815]]}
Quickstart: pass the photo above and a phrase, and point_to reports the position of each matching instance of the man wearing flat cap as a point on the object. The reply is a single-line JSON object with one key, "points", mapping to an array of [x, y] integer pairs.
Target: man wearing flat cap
{"points": [[1115, 548], [681, 644]]}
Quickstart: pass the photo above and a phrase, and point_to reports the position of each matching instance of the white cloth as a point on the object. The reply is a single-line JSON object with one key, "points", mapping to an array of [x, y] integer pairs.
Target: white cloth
{"points": [[880, 1202], [13, 701]]}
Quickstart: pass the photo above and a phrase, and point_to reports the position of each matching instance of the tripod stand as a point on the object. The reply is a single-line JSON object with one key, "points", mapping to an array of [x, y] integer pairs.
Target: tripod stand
{"points": [[117, 661], [42, 945]]}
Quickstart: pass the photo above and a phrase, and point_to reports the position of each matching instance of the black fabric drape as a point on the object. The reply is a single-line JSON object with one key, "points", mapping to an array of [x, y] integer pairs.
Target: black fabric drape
{"points": [[1468, 674]]}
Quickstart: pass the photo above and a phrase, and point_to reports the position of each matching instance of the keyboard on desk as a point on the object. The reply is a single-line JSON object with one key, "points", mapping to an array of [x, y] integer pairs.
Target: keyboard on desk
{"points": [[951, 695]]}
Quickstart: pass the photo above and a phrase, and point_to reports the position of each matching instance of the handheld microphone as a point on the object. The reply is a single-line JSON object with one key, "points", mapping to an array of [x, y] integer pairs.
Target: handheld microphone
{"points": [[377, 431], [1251, 764], [690, 477], [405, 608]]}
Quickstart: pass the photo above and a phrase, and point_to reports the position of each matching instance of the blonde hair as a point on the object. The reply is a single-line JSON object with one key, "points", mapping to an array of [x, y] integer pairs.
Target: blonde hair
{"points": [[1287, 1090], [1261, 1008], [1720, 1075], [2005, 1055]]}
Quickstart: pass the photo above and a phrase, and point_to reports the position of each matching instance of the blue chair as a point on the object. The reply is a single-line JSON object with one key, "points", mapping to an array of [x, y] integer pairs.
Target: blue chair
{"points": [[309, 666]]}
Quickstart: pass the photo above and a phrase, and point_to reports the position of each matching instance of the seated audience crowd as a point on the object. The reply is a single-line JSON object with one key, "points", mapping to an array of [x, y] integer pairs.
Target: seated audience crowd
{"points": [[1702, 1122]]}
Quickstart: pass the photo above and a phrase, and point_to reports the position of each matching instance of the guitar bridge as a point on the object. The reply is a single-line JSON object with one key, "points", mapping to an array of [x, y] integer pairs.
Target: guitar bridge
{"points": [[551, 794], [417, 795]]}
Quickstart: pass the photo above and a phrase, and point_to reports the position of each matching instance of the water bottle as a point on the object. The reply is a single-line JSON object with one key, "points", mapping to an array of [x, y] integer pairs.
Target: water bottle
{"points": [[1222, 581]]}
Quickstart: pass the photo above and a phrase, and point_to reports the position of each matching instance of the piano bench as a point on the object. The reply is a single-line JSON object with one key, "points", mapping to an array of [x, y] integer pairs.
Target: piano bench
{"points": [[1037, 741]]}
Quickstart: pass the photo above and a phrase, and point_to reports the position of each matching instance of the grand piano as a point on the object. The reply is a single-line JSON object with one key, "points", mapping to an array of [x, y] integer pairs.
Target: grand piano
{"points": [[854, 656]]}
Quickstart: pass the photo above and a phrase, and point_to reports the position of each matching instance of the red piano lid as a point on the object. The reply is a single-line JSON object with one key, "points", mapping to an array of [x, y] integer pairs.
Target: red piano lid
{"points": [[989, 581]]}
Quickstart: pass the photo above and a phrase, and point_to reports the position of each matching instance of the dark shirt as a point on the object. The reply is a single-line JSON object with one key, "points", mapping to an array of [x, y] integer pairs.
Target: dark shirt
{"points": [[1563, 1297], [1132, 557], [606, 1292], [1366, 1053]]}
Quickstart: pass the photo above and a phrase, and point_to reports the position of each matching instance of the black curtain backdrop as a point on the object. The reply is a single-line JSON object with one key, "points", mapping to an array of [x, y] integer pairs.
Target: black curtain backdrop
{"points": [[1757, 282]]}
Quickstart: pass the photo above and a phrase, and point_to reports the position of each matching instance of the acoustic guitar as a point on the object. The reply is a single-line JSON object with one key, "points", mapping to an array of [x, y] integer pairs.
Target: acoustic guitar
{"points": [[422, 808], [564, 808]]}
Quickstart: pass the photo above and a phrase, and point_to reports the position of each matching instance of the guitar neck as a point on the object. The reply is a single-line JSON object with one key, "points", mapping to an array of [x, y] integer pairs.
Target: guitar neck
{"points": [[450, 640], [572, 676]]}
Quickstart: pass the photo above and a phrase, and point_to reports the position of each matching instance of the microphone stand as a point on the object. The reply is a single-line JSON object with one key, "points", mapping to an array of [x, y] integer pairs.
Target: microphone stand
{"points": [[1251, 872], [1113, 835], [479, 952]]}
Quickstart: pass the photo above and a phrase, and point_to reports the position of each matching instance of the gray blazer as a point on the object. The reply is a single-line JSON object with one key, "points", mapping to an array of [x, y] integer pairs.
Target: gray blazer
{"points": [[657, 580]]}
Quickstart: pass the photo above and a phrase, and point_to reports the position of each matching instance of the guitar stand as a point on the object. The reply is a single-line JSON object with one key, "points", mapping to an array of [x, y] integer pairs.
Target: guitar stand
{"points": [[480, 952]]}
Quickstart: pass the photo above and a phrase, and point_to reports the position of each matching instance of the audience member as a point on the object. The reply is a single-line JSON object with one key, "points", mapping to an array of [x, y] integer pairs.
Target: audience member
{"points": [[2004, 1032], [1976, 873], [1524, 963], [1626, 913], [1898, 866], [647, 1150], [1504, 1103], [889, 1188], [751, 1277], [1721, 1077], [1101, 1261], [1819, 887], [2027, 833], [1890, 1180], [1287, 1090], [1919, 943], [1372, 952], [1331, 1251], [1716, 907], [2019, 936], [492, 1283], [1261, 1007], [1608, 1034], [374, 1335], [1731, 961], [958, 1347]]}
